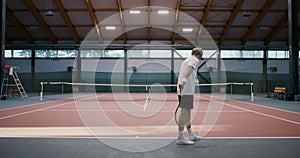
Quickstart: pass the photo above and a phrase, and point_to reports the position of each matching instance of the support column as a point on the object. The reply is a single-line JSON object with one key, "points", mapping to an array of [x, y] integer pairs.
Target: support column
{"points": [[265, 72], [293, 48], [172, 68], [33, 70], [77, 76], [3, 19], [125, 67], [219, 66]]}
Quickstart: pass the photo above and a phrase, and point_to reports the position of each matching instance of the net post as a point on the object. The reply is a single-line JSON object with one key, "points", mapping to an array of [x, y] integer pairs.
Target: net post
{"points": [[231, 90], [62, 88], [42, 90], [252, 98]]}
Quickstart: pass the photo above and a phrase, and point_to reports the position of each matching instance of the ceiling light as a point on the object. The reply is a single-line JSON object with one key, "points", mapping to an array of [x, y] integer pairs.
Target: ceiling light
{"points": [[49, 13], [247, 14], [187, 29], [110, 27], [264, 27], [33, 27], [163, 11], [134, 12]]}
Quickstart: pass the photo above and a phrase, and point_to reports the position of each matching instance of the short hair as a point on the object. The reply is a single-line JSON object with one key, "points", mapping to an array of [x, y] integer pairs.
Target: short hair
{"points": [[197, 51]]}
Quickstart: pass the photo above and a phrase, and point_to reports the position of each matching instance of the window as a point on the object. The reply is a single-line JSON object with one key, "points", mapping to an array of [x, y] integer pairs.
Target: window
{"points": [[132, 53], [101, 53], [182, 53], [8, 53], [278, 54], [66, 53], [230, 54], [55, 53], [242, 54], [46, 53], [160, 54], [21, 53], [188, 53]]}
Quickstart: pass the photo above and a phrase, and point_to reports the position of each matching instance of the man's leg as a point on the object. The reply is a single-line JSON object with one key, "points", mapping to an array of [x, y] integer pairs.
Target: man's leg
{"points": [[182, 122], [192, 135]]}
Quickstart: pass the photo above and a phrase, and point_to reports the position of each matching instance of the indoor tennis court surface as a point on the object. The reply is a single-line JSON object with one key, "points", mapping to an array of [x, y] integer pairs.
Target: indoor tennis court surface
{"points": [[82, 126]]}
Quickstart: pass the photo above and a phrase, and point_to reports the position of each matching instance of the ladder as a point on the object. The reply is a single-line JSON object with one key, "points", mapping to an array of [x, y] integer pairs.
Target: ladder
{"points": [[5, 85]]}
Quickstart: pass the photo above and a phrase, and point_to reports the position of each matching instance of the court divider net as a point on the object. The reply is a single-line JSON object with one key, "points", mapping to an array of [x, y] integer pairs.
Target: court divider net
{"points": [[137, 92]]}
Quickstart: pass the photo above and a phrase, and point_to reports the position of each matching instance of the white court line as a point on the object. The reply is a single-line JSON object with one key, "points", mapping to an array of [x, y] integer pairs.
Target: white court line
{"points": [[133, 137], [146, 102], [268, 107], [28, 105], [39, 109], [257, 105], [32, 111], [263, 114], [166, 111], [259, 113], [106, 132]]}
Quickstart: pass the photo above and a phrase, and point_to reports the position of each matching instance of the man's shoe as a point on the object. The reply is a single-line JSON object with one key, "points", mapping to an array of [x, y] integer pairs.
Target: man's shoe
{"points": [[184, 141], [193, 137]]}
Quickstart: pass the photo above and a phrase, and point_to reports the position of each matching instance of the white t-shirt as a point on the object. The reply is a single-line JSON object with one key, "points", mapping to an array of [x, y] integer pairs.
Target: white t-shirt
{"points": [[189, 87]]}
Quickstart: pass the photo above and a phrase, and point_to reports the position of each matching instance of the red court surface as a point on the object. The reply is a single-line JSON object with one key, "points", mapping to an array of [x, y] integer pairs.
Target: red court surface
{"points": [[100, 116]]}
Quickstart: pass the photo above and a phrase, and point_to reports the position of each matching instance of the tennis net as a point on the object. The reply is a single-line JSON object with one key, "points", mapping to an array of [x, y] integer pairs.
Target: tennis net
{"points": [[59, 90]]}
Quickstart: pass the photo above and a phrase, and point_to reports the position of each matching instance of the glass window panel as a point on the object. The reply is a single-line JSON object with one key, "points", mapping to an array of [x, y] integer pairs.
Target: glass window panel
{"points": [[258, 54], [182, 53], [66, 53], [21, 53], [225, 54], [132, 53], [278, 54], [247, 54], [102, 53], [8, 54], [271, 54], [46, 53], [160, 53], [281, 54], [235, 53], [114, 53]]}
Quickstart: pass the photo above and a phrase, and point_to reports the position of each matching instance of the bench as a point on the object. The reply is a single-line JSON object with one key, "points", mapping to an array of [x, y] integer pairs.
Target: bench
{"points": [[13, 91], [278, 93]]}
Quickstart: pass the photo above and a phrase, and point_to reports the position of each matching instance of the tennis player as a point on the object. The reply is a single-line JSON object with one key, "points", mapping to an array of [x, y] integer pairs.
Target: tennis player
{"points": [[186, 90]]}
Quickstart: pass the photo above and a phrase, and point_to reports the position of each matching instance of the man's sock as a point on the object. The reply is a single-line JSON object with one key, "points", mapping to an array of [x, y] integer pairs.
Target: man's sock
{"points": [[190, 131], [180, 134]]}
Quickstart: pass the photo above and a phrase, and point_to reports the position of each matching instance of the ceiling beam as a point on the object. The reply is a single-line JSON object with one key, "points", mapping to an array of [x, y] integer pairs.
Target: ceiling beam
{"points": [[204, 18], [176, 21], [36, 13], [13, 19], [122, 20], [282, 23], [94, 19], [182, 9], [67, 19], [232, 17], [160, 39], [155, 26], [268, 4]]}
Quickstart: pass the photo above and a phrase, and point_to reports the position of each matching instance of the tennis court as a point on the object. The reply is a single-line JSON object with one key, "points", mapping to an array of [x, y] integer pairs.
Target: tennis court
{"points": [[144, 123], [101, 78]]}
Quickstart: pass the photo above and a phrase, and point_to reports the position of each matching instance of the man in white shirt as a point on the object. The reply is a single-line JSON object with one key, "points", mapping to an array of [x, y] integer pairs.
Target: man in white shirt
{"points": [[186, 91]]}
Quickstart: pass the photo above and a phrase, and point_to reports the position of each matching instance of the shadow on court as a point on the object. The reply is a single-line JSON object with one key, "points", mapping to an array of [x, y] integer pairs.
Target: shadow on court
{"points": [[93, 148]]}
